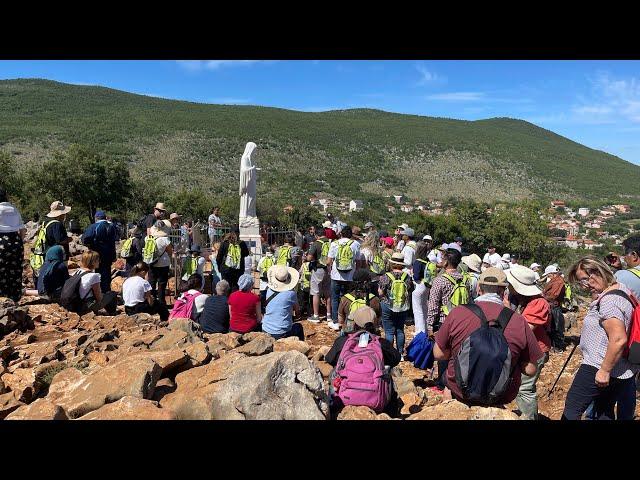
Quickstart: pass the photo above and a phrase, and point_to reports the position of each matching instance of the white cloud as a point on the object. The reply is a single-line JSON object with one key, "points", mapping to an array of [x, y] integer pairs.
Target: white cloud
{"points": [[458, 96], [428, 77], [230, 100], [612, 100], [199, 65]]}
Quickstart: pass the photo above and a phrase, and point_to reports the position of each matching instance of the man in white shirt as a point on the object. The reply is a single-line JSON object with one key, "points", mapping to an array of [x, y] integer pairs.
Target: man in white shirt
{"points": [[341, 280], [491, 258], [409, 250], [214, 223]]}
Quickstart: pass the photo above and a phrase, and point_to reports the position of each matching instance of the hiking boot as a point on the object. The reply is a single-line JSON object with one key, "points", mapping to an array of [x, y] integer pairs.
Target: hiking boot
{"points": [[314, 319]]}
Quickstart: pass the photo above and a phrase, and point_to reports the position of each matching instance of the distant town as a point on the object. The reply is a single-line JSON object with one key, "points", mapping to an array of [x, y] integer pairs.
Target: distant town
{"points": [[581, 228]]}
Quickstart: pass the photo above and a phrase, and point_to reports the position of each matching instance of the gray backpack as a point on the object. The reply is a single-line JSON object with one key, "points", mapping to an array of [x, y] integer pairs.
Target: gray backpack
{"points": [[483, 365]]}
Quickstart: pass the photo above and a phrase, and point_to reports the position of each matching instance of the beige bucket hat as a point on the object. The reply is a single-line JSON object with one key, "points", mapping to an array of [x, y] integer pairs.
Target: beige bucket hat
{"points": [[162, 228], [281, 278], [58, 208], [523, 280], [473, 261]]}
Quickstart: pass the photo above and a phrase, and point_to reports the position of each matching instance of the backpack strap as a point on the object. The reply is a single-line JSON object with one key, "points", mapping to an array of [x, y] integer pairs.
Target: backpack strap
{"points": [[502, 320], [635, 271], [79, 285], [477, 311], [275, 294], [632, 300]]}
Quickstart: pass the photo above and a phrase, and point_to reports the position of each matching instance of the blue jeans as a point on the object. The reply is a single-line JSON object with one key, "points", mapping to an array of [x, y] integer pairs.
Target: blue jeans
{"points": [[393, 324], [584, 390], [338, 289]]}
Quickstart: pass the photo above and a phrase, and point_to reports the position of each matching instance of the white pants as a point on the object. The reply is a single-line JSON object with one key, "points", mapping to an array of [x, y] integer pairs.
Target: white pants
{"points": [[419, 301]]}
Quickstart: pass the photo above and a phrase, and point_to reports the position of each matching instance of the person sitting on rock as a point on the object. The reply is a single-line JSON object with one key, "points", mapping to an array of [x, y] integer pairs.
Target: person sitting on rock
{"points": [[215, 315], [281, 302], [52, 276], [191, 301], [364, 319], [137, 296], [244, 307], [91, 295]]}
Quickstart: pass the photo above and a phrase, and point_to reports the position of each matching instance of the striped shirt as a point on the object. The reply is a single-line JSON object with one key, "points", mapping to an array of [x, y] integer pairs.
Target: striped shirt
{"points": [[441, 291], [593, 338]]}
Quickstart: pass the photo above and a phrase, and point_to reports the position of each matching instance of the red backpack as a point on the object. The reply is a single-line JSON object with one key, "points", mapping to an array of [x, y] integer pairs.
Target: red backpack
{"points": [[183, 307], [632, 350]]}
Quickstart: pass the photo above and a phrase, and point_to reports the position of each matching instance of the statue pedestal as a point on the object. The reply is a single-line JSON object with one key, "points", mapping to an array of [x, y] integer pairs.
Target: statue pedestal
{"points": [[250, 234]]}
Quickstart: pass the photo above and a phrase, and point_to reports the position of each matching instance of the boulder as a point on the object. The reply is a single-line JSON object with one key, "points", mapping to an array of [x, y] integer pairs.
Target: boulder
{"points": [[351, 412], [8, 403], [164, 387], [276, 386], [291, 343], [22, 382], [198, 354], [492, 413], [222, 341], [80, 394], [188, 326], [168, 360], [447, 410], [41, 409], [171, 340], [411, 403], [130, 408], [324, 367], [320, 353], [262, 343]]}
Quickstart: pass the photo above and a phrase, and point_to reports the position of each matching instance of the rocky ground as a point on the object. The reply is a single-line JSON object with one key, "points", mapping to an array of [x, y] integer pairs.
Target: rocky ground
{"points": [[58, 365]]}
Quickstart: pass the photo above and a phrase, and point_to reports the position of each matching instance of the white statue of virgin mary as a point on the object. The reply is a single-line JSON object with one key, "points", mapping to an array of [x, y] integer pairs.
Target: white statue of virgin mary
{"points": [[248, 186]]}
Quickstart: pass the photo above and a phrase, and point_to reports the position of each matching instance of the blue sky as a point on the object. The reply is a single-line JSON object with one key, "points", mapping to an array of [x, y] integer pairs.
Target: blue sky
{"points": [[596, 103]]}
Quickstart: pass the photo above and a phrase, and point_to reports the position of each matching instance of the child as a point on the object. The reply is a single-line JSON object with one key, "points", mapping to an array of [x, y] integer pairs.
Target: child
{"points": [[194, 264], [360, 295]]}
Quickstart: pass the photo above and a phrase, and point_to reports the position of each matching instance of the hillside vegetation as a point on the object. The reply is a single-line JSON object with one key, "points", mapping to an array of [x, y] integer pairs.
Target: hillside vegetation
{"points": [[352, 153]]}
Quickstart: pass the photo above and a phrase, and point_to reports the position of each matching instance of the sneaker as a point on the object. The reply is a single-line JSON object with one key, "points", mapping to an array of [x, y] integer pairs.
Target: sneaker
{"points": [[402, 358], [333, 326], [314, 319]]}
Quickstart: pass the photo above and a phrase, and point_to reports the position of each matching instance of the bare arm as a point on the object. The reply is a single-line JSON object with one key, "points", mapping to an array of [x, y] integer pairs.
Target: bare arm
{"points": [[258, 313], [617, 341], [438, 354], [97, 293], [529, 369]]}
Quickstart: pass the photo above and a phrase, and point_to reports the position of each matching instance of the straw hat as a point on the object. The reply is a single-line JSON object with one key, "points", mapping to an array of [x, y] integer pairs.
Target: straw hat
{"points": [[397, 259], [174, 215], [474, 262], [281, 278], [326, 224], [523, 280], [58, 209], [160, 206], [162, 228]]}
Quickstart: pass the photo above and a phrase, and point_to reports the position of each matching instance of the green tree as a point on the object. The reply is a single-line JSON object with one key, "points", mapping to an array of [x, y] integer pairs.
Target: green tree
{"points": [[84, 179]]}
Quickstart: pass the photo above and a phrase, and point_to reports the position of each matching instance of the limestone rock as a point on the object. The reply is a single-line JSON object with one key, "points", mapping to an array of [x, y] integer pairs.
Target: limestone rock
{"points": [[291, 343], [130, 408], [188, 326], [261, 344], [8, 403], [79, 394], [351, 412], [168, 360], [171, 340], [198, 354], [222, 341], [320, 353], [41, 409], [22, 382], [411, 403], [164, 387], [448, 410], [279, 385], [324, 367], [492, 413]]}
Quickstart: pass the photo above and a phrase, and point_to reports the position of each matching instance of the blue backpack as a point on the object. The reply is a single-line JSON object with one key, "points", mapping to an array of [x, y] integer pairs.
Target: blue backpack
{"points": [[483, 365], [420, 351]]}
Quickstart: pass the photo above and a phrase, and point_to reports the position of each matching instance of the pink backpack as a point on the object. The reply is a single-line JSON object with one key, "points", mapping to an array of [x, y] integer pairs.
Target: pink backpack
{"points": [[183, 307], [362, 380]]}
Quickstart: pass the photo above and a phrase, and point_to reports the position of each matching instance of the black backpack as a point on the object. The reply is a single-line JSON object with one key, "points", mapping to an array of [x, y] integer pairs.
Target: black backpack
{"points": [[483, 365], [70, 295]]}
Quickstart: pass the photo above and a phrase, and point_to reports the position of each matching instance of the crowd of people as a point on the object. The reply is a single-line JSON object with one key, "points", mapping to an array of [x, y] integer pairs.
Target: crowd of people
{"points": [[490, 321]]}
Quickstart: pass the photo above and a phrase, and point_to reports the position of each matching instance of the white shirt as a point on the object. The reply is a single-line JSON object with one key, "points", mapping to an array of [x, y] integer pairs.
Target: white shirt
{"points": [[134, 289], [10, 219], [494, 259], [215, 220], [161, 244], [400, 245], [409, 254], [86, 282], [435, 256], [333, 253]]}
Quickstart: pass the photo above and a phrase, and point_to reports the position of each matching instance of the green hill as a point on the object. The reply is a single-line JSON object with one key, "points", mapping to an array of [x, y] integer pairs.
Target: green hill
{"points": [[357, 153]]}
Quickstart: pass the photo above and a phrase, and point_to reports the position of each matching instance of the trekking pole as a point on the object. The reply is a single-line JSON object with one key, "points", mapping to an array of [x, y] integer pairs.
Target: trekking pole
{"points": [[563, 367]]}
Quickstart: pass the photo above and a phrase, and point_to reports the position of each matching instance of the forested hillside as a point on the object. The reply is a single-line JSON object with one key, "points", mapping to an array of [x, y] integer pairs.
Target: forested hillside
{"points": [[354, 153]]}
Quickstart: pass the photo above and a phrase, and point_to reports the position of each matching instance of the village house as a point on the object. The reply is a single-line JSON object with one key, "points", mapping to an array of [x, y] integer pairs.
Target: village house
{"points": [[583, 212], [407, 208], [622, 208], [557, 204], [355, 205]]}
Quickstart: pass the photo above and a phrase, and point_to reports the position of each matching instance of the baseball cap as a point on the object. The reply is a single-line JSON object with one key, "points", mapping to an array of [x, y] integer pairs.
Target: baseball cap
{"points": [[493, 276], [427, 237], [458, 239], [364, 315], [100, 214], [551, 269], [368, 225], [409, 232]]}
